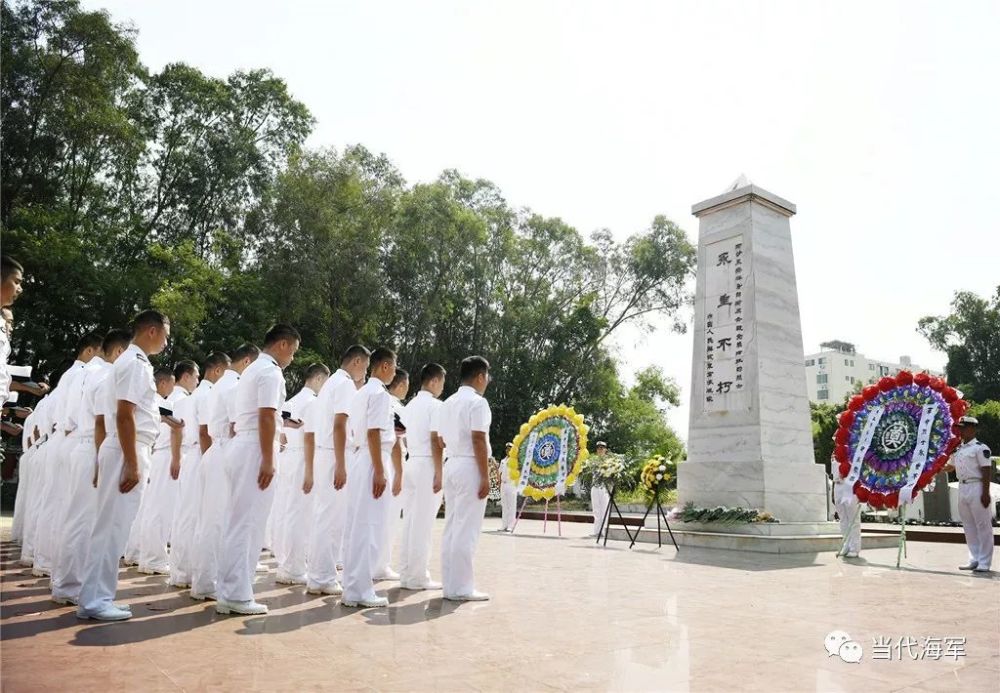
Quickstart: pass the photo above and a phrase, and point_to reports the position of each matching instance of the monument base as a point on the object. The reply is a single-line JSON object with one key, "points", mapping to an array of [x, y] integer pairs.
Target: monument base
{"points": [[790, 492], [761, 537]]}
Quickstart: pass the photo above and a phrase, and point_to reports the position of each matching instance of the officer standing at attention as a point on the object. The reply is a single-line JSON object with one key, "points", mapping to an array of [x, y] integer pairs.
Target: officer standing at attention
{"points": [[123, 463], [971, 463]]}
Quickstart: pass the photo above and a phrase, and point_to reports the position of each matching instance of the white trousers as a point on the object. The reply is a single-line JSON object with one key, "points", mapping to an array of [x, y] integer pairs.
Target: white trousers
{"points": [[366, 520], [25, 468], [420, 508], [463, 520], [393, 527], [508, 504], [246, 516], [154, 527], [185, 516], [78, 522], [293, 535], [846, 504], [326, 546], [976, 521], [207, 543], [599, 501], [53, 502], [32, 502], [135, 532], [115, 513], [284, 479]]}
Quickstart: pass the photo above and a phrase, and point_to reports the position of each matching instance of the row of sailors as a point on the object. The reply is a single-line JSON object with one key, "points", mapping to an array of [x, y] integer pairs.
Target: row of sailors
{"points": [[176, 475]]}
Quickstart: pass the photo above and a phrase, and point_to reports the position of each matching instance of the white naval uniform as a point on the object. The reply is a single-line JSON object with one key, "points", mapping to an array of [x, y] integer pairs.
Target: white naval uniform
{"points": [[393, 525], [461, 414], [326, 546], [420, 502], [81, 505], [508, 496], [847, 507], [188, 506], [24, 469], [599, 501], [132, 375], [53, 502], [262, 386], [4, 357], [367, 516], [972, 464], [292, 511], [33, 490], [160, 498], [215, 489]]}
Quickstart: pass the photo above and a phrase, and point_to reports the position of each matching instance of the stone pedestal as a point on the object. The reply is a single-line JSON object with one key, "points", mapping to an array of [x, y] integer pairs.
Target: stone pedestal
{"points": [[750, 438]]}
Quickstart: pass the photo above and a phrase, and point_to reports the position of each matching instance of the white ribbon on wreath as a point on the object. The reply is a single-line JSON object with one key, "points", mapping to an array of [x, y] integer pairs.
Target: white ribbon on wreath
{"points": [[563, 471], [529, 454], [865, 442], [920, 452]]}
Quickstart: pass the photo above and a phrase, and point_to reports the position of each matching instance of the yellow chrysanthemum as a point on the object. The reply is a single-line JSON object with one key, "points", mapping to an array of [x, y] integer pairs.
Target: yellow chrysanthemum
{"points": [[524, 433]]}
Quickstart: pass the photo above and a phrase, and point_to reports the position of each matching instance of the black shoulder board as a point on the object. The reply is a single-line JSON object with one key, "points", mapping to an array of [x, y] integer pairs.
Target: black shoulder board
{"points": [[142, 358], [986, 452]]}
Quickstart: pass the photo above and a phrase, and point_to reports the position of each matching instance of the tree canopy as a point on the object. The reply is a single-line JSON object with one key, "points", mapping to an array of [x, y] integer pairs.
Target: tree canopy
{"points": [[195, 194]]}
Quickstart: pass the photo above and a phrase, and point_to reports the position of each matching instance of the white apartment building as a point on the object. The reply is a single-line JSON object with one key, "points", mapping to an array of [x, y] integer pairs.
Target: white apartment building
{"points": [[835, 372]]}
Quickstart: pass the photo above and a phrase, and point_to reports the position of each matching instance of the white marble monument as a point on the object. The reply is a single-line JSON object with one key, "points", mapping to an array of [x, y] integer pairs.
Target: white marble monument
{"points": [[750, 440]]}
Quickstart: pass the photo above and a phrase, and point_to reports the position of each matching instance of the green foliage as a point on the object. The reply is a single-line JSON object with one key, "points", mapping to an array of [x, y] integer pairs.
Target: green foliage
{"points": [[723, 515], [970, 336], [988, 431], [194, 194], [824, 426]]}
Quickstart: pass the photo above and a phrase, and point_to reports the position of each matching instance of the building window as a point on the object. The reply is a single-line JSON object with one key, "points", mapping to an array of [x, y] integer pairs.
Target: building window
{"points": [[852, 362], [823, 394], [810, 362], [871, 366], [821, 378], [822, 360]]}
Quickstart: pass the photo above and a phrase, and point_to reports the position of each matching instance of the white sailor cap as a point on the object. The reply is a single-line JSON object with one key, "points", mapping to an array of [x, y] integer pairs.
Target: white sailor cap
{"points": [[968, 421]]}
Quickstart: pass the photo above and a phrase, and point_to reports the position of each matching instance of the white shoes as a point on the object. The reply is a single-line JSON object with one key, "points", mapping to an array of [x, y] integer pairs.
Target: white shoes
{"points": [[38, 572], [180, 584], [970, 566], [151, 570], [373, 603], [248, 608], [851, 554], [334, 590], [418, 586], [111, 613], [210, 597], [474, 597], [980, 569], [387, 574], [261, 568], [65, 601], [286, 579]]}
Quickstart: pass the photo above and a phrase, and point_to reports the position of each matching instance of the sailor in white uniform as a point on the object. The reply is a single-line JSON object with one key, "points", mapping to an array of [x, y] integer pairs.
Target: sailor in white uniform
{"points": [[973, 466]]}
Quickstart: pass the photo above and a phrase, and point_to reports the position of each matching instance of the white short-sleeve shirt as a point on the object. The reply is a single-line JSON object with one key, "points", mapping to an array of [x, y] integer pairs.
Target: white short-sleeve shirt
{"points": [[371, 408], [970, 459], [420, 416], [69, 394], [218, 415], [461, 414], [88, 408], [262, 386], [295, 408], [334, 398], [132, 374]]}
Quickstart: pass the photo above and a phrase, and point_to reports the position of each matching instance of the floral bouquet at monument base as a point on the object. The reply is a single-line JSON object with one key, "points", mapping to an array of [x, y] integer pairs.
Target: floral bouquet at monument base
{"points": [[609, 471], [656, 475]]}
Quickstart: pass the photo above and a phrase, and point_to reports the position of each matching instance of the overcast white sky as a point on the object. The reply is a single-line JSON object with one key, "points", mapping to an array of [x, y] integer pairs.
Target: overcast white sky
{"points": [[879, 120]]}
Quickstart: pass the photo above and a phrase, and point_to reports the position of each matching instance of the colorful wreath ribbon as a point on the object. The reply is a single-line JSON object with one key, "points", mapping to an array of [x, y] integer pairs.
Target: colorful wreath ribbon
{"points": [[547, 453], [896, 435]]}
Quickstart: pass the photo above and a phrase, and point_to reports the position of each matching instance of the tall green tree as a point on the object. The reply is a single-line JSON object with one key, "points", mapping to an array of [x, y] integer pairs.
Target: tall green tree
{"points": [[970, 336]]}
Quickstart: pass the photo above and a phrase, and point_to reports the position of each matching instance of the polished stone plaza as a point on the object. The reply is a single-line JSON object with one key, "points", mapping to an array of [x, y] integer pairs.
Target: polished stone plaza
{"points": [[565, 615]]}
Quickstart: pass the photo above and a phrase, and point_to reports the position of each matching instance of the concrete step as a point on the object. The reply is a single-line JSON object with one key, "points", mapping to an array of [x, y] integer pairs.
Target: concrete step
{"points": [[760, 543]]}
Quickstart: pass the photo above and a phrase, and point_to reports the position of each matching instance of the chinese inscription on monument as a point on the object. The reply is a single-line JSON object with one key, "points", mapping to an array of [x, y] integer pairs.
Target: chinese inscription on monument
{"points": [[726, 330]]}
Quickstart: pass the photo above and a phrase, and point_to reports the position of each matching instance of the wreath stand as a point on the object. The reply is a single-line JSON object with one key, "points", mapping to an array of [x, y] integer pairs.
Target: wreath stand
{"points": [[606, 521], [659, 514], [545, 520]]}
